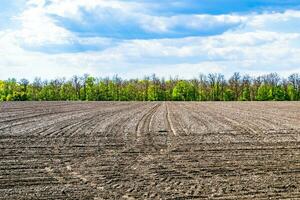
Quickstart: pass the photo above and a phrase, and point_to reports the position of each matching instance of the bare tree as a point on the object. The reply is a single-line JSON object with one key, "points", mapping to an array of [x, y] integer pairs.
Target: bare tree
{"points": [[77, 85], [272, 79], [235, 84]]}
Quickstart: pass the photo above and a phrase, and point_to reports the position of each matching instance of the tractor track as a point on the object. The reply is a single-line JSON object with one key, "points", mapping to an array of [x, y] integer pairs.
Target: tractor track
{"points": [[149, 150]]}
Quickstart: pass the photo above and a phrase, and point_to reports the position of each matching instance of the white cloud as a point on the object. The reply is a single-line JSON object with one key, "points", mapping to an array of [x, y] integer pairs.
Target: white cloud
{"points": [[37, 28], [259, 45], [37, 3], [288, 21], [184, 57], [194, 22], [122, 12], [71, 8]]}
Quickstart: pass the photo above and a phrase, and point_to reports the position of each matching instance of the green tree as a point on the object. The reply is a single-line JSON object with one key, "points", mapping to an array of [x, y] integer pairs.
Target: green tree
{"points": [[103, 90], [246, 95], [216, 84], [279, 93], [294, 80], [23, 90], [34, 90], [90, 89], [229, 95], [292, 93], [264, 93], [68, 92], [154, 93], [212, 87], [183, 91], [2, 91], [11, 90], [129, 92]]}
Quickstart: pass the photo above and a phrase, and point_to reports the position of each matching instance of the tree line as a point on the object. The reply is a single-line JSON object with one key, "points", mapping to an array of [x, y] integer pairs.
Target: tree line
{"points": [[211, 87]]}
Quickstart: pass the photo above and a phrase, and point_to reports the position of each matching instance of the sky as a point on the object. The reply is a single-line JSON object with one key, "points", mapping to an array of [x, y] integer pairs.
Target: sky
{"points": [[134, 38]]}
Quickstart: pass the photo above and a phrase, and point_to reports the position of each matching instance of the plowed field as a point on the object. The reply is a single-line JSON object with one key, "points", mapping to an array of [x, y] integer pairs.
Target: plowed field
{"points": [[150, 150]]}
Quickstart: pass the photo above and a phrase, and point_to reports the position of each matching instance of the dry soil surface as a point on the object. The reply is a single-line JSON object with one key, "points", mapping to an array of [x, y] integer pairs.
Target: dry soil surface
{"points": [[150, 150]]}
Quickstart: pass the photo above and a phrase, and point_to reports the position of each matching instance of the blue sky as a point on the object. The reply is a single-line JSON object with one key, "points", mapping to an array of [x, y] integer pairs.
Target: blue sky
{"points": [[133, 38]]}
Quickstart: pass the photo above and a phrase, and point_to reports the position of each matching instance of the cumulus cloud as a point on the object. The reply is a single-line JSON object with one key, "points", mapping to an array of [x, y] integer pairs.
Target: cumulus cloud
{"points": [[37, 28], [112, 18], [49, 43], [191, 24]]}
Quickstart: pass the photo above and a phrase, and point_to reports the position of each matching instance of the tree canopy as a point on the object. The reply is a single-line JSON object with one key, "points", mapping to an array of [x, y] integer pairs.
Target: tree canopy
{"points": [[211, 87]]}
